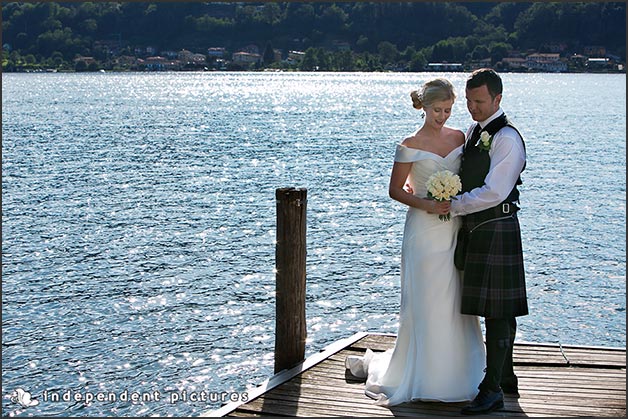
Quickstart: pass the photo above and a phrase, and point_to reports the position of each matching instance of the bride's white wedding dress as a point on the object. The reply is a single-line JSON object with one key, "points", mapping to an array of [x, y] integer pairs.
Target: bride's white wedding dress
{"points": [[439, 353]]}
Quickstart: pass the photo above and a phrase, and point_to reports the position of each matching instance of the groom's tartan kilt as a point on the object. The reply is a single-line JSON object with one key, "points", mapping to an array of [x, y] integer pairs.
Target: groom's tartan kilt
{"points": [[494, 277]]}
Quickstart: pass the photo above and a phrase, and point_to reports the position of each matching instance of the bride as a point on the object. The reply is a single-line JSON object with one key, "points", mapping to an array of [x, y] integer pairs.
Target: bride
{"points": [[439, 353]]}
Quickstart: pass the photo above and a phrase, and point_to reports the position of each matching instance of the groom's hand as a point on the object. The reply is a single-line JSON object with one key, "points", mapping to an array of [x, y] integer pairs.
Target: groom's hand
{"points": [[440, 207]]}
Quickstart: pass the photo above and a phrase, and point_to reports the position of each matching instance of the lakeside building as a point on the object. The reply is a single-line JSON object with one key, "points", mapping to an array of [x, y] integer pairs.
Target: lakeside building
{"points": [[515, 63], [598, 64], [86, 60], [486, 62], [169, 54], [295, 57], [550, 63], [219, 57], [158, 63], [216, 52], [246, 58], [129, 62], [445, 67]]}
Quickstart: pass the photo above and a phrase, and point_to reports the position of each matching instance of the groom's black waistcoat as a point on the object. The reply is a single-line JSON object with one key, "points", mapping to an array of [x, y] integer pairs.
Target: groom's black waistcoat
{"points": [[476, 162]]}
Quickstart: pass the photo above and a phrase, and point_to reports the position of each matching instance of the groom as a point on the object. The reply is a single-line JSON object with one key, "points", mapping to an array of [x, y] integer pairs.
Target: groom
{"points": [[493, 279]]}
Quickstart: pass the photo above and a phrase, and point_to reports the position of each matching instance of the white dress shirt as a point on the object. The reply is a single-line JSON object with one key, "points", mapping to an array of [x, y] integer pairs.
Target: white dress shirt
{"points": [[508, 157]]}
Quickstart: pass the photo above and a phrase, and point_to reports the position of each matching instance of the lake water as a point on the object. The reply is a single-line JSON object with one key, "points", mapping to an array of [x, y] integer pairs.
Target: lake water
{"points": [[138, 224]]}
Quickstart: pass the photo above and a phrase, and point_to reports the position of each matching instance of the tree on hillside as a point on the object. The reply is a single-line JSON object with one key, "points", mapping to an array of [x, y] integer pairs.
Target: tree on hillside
{"points": [[269, 54], [387, 51], [418, 62], [441, 31]]}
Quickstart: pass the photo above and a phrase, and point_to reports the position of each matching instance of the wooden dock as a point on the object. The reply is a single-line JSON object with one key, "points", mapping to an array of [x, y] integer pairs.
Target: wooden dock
{"points": [[554, 380]]}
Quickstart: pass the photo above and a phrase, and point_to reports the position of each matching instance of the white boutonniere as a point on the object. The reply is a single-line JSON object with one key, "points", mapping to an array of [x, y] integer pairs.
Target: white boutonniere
{"points": [[485, 141]]}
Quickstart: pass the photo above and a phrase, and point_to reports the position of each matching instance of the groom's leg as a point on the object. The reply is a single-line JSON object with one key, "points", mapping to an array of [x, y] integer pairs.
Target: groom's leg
{"points": [[491, 396], [509, 382], [497, 350]]}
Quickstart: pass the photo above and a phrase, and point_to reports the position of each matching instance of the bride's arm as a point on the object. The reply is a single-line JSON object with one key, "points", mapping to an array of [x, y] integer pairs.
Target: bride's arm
{"points": [[396, 191]]}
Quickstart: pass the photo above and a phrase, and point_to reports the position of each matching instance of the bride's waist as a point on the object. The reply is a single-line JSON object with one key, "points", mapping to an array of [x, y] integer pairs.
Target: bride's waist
{"points": [[416, 212]]}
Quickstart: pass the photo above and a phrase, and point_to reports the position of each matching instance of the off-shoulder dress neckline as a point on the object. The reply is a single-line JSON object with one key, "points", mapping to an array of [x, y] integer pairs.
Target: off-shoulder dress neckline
{"points": [[431, 152]]}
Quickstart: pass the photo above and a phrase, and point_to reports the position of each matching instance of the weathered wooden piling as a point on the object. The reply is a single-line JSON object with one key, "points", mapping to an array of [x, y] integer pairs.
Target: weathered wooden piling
{"points": [[290, 256]]}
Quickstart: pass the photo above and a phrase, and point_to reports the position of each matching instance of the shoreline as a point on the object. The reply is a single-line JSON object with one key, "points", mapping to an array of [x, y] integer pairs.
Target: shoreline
{"points": [[295, 71]]}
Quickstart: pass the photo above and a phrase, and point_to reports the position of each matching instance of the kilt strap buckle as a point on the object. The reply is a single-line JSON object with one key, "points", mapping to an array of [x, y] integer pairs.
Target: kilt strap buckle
{"points": [[505, 208], [508, 208], [504, 211]]}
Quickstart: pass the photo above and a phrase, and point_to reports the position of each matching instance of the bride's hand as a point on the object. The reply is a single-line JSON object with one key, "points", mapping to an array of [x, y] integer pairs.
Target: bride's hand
{"points": [[408, 189]]}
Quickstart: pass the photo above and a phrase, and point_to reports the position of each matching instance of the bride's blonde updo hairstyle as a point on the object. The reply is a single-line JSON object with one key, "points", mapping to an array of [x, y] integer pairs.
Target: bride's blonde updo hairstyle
{"points": [[435, 90]]}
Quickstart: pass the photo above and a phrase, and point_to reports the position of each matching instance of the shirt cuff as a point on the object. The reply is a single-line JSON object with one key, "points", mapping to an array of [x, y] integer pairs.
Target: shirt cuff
{"points": [[454, 210]]}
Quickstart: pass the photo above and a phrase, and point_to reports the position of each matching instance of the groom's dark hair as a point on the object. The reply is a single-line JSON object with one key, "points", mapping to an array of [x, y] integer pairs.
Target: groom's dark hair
{"points": [[488, 77]]}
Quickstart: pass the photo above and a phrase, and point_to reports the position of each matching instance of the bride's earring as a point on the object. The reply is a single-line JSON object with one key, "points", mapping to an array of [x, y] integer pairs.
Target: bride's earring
{"points": [[422, 115]]}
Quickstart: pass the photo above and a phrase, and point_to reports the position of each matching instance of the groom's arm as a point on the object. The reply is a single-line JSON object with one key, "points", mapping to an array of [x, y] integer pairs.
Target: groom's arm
{"points": [[507, 160]]}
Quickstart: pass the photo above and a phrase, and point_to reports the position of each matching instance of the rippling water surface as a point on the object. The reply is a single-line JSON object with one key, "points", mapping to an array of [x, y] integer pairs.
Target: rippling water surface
{"points": [[138, 224]]}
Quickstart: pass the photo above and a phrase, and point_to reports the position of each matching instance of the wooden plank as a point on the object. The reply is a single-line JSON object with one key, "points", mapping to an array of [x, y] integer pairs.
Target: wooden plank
{"points": [[528, 379], [538, 405], [595, 357], [375, 342], [524, 353], [593, 383], [286, 375], [278, 402], [309, 391], [243, 414], [308, 394], [568, 378]]}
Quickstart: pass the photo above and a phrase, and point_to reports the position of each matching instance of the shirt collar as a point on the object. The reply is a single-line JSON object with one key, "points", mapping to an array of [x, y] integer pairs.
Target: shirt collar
{"points": [[497, 114]]}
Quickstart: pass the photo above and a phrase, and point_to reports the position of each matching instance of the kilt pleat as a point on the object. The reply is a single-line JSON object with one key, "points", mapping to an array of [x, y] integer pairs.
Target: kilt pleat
{"points": [[494, 276]]}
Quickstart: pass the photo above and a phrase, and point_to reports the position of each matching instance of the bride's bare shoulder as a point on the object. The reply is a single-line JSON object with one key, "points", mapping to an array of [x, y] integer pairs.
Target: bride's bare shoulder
{"points": [[412, 141], [456, 135]]}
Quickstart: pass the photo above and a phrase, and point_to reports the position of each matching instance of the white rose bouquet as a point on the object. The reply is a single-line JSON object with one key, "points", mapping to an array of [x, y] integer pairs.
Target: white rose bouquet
{"points": [[443, 186]]}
